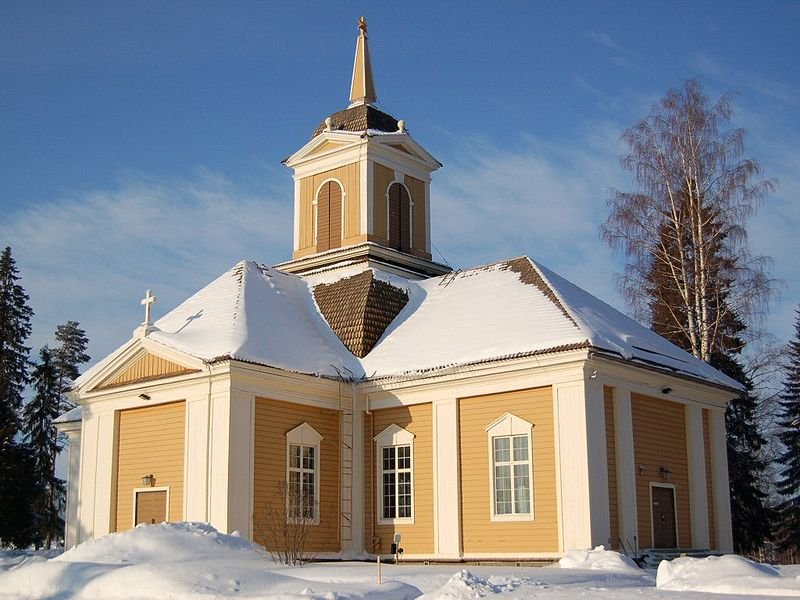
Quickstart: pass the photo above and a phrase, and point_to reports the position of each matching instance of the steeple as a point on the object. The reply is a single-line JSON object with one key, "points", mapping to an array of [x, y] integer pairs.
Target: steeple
{"points": [[362, 189], [362, 86]]}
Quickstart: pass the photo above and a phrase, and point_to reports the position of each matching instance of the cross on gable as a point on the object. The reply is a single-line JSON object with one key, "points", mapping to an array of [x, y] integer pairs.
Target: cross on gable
{"points": [[147, 302]]}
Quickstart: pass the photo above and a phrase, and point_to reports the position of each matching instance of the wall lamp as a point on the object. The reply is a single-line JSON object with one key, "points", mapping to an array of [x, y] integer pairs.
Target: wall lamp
{"points": [[144, 396], [665, 473], [641, 469], [148, 480], [666, 390]]}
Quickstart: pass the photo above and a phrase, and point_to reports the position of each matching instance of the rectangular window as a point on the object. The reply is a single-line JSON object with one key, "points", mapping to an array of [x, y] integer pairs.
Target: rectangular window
{"points": [[396, 481], [512, 467], [302, 482]]}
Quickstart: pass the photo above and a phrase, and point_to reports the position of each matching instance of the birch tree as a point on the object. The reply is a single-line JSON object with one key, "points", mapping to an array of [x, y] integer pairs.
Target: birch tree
{"points": [[689, 270]]}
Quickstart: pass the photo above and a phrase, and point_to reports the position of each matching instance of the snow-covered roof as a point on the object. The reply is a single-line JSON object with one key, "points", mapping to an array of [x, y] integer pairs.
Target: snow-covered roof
{"points": [[504, 310], [70, 416]]}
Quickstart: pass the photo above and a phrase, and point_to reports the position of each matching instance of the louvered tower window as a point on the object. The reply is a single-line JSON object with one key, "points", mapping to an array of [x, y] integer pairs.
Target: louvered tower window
{"points": [[329, 216], [399, 218]]}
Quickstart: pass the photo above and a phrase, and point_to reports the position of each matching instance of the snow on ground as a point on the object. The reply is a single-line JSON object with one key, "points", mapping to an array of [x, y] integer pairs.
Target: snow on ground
{"points": [[184, 561]]}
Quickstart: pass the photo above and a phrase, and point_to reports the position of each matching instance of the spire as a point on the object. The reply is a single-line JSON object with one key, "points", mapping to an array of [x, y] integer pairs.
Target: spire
{"points": [[362, 87]]}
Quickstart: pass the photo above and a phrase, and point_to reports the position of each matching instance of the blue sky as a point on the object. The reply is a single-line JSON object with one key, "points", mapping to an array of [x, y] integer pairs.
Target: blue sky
{"points": [[140, 143]]}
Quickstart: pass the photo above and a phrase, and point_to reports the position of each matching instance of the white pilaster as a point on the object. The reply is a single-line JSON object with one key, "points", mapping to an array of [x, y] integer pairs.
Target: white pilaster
{"points": [[196, 459], [573, 466], [219, 459], [88, 476], [719, 480], [698, 496], [447, 525], [357, 519], [73, 432], [597, 456], [240, 463], [296, 235], [626, 467], [365, 189], [104, 477]]}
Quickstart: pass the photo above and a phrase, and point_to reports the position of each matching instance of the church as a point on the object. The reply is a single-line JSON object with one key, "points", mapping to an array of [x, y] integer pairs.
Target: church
{"points": [[492, 413]]}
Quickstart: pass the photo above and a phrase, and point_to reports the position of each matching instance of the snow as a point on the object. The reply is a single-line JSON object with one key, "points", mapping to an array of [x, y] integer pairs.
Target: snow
{"points": [[70, 416], [262, 315], [725, 575], [183, 561]]}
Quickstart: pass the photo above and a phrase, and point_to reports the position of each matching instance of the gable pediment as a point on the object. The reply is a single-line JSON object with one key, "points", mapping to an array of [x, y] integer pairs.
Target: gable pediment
{"points": [[146, 366]]}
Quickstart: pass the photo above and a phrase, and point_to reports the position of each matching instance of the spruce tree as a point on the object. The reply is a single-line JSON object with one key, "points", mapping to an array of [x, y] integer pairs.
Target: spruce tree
{"points": [[17, 480], [38, 416], [789, 482], [15, 327]]}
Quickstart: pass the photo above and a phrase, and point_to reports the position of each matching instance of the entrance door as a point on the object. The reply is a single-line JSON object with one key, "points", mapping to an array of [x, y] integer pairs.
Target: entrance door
{"points": [[663, 511], [151, 507]]}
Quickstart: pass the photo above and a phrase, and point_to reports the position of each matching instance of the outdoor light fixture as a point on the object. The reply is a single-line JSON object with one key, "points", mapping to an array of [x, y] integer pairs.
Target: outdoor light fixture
{"points": [[148, 480], [666, 390], [144, 396], [641, 469], [666, 473]]}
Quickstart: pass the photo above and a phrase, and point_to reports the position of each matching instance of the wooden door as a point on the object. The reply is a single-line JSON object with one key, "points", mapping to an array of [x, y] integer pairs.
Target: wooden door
{"points": [[665, 534], [151, 507]]}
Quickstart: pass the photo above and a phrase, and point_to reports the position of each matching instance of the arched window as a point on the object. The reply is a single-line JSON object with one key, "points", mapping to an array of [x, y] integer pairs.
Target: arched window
{"points": [[399, 218], [329, 216]]}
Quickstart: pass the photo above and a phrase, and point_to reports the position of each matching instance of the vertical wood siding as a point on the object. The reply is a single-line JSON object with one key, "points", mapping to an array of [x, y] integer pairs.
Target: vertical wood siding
{"points": [[479, 533], [349, 177], [659, 440], [273, 419], [417, 537], [712, 525], [150, 440], [418, 216], [148, 366], [611, 453], [382, 177]]}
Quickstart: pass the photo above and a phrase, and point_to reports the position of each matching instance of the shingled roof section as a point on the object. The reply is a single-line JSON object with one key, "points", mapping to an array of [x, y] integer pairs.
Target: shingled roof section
{"points": [[528, 274], [359, 309], [360, 118]]}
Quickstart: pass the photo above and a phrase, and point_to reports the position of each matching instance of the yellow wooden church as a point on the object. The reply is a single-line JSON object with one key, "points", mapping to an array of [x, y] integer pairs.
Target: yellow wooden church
{"points": [[498, 412]]}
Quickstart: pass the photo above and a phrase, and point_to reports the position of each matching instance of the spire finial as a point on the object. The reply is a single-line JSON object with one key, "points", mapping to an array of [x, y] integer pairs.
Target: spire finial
{"points": [[362, 86]]}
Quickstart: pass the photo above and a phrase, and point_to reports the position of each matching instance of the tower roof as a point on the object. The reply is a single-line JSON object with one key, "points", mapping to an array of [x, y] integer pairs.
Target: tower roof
{"points": [[362, 86]]}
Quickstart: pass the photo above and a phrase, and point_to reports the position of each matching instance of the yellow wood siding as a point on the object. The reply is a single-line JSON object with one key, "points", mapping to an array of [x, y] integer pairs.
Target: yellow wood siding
{"points": [[273, 420], [479, 533], [712, 526], [146, 367], [611, 454], [417, 537], [659, 440], [418, 217], [349, 177], [150, 440], [382, 177]]}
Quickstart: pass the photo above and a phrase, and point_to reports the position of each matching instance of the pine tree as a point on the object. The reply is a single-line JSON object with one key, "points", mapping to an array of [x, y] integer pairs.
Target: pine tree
{"points": [[789, 482], [40, 434], [17, 481]]}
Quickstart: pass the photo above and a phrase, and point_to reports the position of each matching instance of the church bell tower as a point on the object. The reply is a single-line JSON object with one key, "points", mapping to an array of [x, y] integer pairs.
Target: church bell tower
{"points": [[362, 188]]}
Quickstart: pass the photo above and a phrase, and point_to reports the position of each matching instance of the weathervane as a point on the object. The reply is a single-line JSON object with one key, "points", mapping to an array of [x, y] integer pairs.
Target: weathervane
{"points": [[362, 25]]}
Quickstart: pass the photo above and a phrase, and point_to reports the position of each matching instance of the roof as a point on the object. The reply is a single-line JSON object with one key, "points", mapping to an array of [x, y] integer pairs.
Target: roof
{"points": [[71, 416], [361, 117], [508, 309]]}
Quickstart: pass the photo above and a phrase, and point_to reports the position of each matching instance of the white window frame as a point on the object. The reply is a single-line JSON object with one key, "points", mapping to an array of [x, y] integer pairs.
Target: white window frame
{"points": [[140, 490], [510, 426], [392, 436], [304, 435]]}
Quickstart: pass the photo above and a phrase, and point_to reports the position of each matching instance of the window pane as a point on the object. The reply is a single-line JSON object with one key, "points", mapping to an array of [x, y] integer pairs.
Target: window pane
{"points": [[404, 457], [521, 447], [522, 490], [501, 449], [293, 500], [388, 459], [308, 457], [389, 495], [502, 489], [294, 456]]}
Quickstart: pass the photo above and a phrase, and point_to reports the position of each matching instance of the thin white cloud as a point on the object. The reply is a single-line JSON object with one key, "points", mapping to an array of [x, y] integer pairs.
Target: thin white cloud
{"points": [[90, 257], [604, 39]]}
